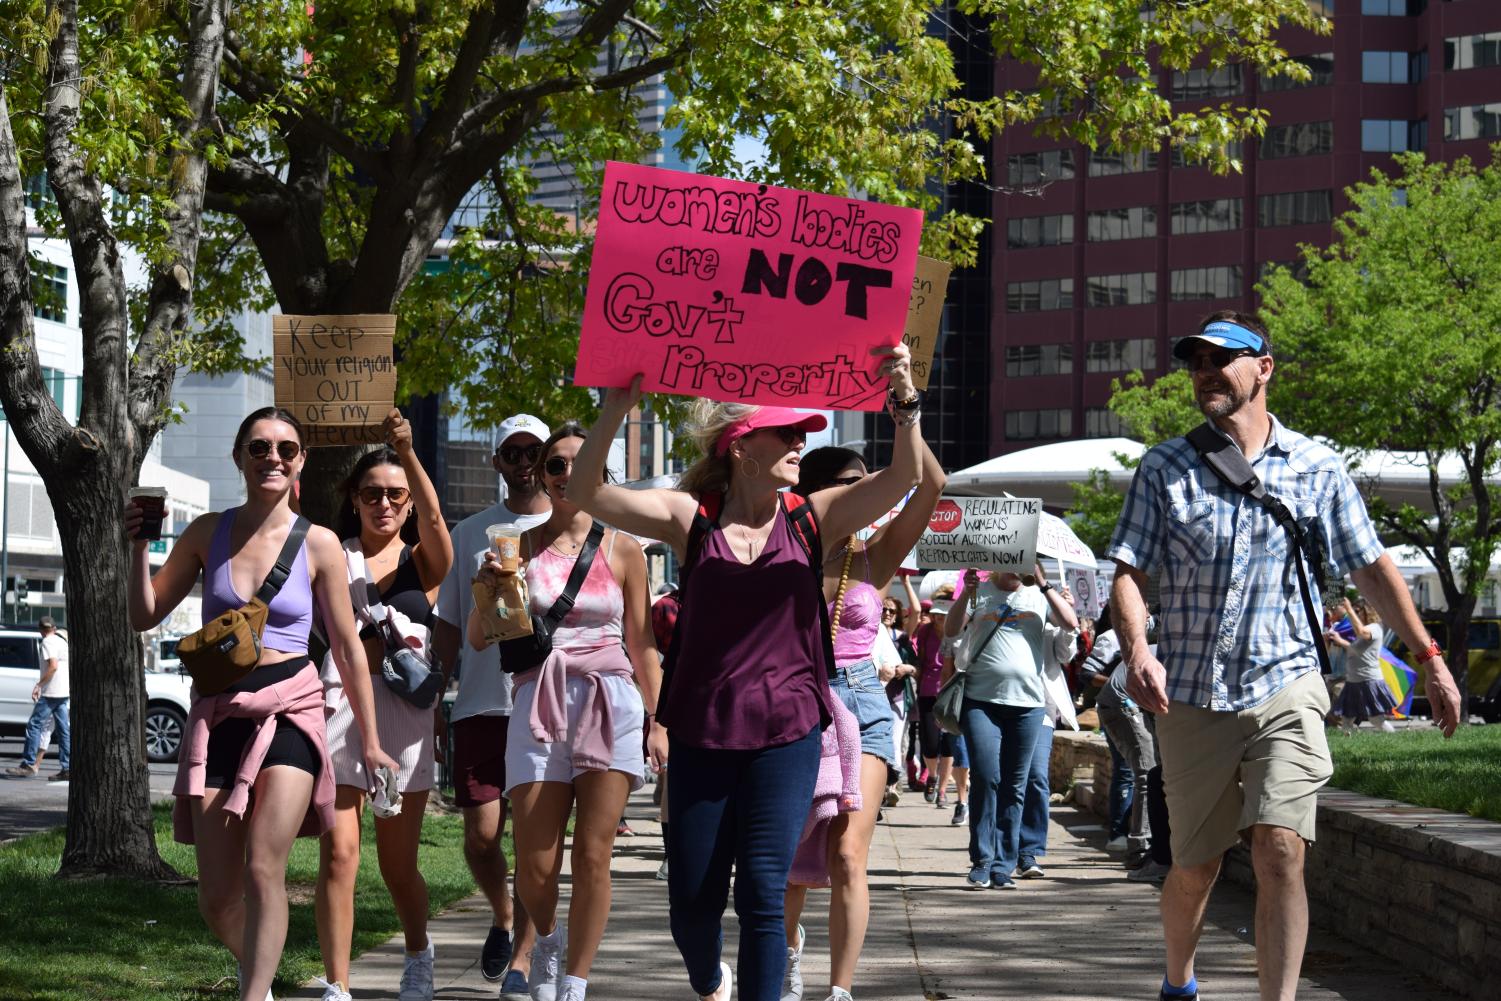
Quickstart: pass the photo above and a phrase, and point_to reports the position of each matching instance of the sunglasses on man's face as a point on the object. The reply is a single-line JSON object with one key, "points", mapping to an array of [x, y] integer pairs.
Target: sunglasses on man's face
{"points": [[1217, 359], [396, 495], [516, 455], [259, 448]]}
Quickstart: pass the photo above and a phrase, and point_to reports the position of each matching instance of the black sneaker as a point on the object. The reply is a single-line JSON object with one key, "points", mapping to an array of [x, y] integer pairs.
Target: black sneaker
{"points": [[496, 955], [961, 814], [930, 791]]}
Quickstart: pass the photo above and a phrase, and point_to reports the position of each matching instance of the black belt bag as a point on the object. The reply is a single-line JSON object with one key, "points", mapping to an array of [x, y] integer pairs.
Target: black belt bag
{"points": [[527, 652]]}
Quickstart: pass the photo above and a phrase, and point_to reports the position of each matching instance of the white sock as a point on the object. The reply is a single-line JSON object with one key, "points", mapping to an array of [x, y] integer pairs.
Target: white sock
{"points": [[571, 982]]}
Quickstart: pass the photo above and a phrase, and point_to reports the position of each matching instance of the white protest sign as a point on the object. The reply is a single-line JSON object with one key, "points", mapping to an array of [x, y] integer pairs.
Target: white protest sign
{"points": [[989, 533], [1081, 582]]}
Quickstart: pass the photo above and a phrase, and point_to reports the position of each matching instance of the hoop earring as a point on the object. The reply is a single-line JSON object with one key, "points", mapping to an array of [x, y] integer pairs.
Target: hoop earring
{"points": [[753, 462]]}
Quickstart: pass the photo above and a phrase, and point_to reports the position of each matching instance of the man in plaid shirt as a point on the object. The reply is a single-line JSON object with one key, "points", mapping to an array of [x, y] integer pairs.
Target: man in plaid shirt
{"points": [[1235, 680]]}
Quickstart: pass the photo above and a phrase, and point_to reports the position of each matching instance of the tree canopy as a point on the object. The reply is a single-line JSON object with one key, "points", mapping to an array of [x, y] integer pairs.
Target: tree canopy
{"points": [[1393, 341]]}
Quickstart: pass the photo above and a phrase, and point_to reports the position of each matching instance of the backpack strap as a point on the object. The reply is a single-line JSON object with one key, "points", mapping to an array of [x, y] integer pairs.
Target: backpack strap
{"points": [[284, 560], [1227, 462], [804, 525]]}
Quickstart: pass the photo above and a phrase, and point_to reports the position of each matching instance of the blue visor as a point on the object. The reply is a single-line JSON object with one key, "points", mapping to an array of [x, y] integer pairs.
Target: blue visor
{"points": [[1221, 334]]}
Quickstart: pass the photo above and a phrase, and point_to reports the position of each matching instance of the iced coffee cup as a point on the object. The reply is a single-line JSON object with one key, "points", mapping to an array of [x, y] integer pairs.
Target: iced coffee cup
{"points": [[506, 541], [153, 504]]}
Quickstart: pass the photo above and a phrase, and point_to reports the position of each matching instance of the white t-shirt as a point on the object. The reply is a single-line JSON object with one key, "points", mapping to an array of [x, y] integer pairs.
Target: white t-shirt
{"points": [[1007, 670], [55, 647], [484, 690]]}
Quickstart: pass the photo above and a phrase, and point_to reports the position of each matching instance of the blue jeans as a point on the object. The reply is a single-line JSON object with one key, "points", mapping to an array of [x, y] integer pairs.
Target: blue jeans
{"points": [[48, 708], [1034, 839], [746, 809], [861, 691], [1001, 742], [1122, 791]]}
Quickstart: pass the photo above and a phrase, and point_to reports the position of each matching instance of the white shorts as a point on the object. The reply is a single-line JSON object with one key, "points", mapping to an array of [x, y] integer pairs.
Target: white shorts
{"points": [[530, 760]]}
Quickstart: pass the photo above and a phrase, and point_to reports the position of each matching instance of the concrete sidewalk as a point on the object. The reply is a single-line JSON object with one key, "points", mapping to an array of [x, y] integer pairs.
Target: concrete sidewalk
{"points": [[1083, 932]]}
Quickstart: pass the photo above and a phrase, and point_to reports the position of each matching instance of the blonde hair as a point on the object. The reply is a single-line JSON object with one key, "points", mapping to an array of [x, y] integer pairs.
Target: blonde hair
{"points": [[1366, 613], [707, 421]]}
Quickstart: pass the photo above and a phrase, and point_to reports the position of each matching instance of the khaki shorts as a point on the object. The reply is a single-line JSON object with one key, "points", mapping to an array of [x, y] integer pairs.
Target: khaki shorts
{"points": [[1225, 772]]}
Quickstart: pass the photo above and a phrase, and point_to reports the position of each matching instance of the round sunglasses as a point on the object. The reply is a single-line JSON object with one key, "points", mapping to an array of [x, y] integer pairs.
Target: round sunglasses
{"points": [[516, 455], [259, 448]]}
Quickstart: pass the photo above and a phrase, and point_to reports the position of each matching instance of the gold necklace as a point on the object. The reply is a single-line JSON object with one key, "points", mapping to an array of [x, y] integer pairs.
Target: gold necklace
{"points": [[750, 543]]}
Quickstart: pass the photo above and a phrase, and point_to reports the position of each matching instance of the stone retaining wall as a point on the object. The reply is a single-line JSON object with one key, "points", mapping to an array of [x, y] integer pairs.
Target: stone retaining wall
{"points": [[1420, 885]]}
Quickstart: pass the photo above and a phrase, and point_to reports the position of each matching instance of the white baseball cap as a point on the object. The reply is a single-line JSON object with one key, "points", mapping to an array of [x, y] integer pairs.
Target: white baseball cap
{"points": [[522, 424]]}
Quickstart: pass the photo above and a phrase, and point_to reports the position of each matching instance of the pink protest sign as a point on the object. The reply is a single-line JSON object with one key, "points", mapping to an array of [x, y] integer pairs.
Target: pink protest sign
{"points": [[742, 292]]}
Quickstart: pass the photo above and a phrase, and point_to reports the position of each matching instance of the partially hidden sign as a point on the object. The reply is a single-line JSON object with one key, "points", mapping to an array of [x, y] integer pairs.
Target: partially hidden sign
{"points": [[924, 315], [336, 374], [989, 533], [744, 293]]}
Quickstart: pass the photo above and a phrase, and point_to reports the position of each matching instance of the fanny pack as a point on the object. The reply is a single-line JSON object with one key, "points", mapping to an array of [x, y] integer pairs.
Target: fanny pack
{"points": [[227, 648], [526, 652], [404, 670]]}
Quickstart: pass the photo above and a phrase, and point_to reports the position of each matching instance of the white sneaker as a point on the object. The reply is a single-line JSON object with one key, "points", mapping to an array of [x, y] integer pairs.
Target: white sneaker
{"points": [[334, 991], [572, 994], [792, 978], [662, 870], [1116, 846], [840, 994], [1386, 726], [417, 976], [546, 979], [726, 985]]}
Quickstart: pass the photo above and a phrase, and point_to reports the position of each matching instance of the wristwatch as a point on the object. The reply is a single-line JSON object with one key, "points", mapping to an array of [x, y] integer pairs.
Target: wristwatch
{"points": [[1044, 587]]}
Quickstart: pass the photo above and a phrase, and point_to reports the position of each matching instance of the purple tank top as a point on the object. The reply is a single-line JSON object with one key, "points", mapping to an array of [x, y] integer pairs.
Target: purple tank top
{"points": [[859, 623], [750, 670], [291, 611]]}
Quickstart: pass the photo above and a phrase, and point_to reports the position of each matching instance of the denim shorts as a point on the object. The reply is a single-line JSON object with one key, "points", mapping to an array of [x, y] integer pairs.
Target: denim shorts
{"points": [[863, 694]]}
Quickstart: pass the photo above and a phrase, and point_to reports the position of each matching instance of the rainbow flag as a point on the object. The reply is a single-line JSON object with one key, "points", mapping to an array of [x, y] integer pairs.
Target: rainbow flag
{"points": [[1394, 670]]}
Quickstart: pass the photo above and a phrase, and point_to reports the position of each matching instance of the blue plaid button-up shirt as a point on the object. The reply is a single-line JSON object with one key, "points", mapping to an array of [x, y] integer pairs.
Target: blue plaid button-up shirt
{"points": [[1233, 627]]}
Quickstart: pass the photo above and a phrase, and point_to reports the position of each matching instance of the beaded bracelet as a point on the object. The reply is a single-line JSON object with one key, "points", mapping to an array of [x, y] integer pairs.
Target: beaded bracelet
{"points": [[906, 418]]}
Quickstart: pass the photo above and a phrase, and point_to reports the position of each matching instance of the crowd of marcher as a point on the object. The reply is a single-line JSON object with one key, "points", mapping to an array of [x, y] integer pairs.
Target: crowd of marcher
{"points": [[779, 690]]}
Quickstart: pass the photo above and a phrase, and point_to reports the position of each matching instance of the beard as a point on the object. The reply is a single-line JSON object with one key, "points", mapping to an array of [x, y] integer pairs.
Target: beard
{"points": [[1227, 399]]}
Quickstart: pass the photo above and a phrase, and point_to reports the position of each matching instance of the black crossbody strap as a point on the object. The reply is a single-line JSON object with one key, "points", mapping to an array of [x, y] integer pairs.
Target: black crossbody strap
{"points": [[565, 601], [1230, 465], [284, 560]]}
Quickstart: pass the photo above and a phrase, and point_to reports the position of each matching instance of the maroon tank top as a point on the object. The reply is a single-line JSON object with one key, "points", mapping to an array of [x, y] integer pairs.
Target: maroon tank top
{"points": [[750, 670]]}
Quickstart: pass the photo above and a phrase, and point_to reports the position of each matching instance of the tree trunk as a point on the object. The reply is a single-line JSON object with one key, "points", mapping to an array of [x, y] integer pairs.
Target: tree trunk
{"points": [[110, 830], [1457, 656]]}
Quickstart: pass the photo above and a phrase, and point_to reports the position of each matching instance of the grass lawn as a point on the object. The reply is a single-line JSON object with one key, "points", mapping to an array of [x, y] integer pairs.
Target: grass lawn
{"points": [[114, 940], [1462, 775]]}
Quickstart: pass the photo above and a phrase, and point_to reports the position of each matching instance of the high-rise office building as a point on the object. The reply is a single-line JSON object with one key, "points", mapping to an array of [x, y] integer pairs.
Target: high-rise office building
{"points": [[1097, 261]]}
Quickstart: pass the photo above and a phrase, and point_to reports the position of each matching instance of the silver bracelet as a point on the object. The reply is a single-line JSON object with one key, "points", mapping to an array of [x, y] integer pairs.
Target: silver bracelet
{"points": [[905, 418]]}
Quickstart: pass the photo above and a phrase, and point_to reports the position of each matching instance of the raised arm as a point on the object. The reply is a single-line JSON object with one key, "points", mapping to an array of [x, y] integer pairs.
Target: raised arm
{"points": [[843, 511], [897, 537], [152, 597], [654, 514], [433, 553], [1362, 630], [1060, 605], [913, 614]]}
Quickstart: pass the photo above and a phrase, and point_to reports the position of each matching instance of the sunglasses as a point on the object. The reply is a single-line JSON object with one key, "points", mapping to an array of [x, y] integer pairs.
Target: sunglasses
{"points": [[515, 455], [846, 481], [396, 495], [888, 610], [1217, 359], [790, 434], [259, 448]]}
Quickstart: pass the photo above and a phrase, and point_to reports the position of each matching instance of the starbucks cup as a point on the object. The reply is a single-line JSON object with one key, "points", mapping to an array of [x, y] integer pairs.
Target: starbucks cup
{"points": [[152, 502], [506, 541]]}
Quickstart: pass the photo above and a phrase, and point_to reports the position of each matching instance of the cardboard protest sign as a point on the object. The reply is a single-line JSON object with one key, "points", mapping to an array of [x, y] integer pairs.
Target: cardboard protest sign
{"points": [[744, 293], [336, 374], [924, 315], [990, 533]]}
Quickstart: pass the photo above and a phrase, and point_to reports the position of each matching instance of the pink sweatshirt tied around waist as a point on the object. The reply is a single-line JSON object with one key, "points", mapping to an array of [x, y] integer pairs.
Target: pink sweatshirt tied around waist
{"points": [[299, 700], [593, 740], [836, 791]]}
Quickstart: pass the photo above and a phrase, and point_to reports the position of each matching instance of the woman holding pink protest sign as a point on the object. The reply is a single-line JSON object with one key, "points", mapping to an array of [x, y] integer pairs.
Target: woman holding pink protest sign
{"points": [[854, 577], [746, 688]]}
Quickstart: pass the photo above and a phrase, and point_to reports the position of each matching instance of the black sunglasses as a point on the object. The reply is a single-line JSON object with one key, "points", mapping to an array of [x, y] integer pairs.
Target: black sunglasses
{"points": [[790, 434], [259, 448], [516, 455], [1218, 358], [888, 610], [846, 481], [557, 466], [396, 495]]}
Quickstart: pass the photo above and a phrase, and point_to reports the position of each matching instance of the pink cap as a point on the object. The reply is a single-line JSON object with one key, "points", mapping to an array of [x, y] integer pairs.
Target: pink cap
{"points": [[769, 417]]}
